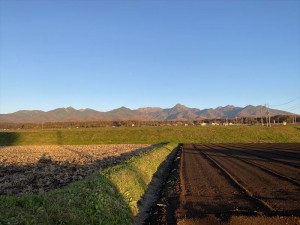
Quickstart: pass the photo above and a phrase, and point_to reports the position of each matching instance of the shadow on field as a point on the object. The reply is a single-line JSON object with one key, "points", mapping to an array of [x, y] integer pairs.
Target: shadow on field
{"points": [[58, 137], [95, 200], [47, 174], [8, 138]]}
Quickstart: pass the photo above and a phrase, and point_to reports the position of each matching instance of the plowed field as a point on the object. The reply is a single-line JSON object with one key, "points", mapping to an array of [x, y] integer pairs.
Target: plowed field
{"points": [[36, 169], [237, 183]]}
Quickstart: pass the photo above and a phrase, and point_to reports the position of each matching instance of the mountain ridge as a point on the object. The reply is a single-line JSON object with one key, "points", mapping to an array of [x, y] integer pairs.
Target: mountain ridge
{"points": [[178, 112]]}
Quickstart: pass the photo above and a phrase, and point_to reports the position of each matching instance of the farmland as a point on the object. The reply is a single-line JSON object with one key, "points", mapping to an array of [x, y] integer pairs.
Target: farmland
{"points": [[100, 176], [37, 169], [151, 135], [107, 196], [226, 181]]}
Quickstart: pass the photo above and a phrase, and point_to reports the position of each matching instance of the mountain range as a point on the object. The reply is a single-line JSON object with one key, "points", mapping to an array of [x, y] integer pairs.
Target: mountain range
{"points": [[178, 112]]}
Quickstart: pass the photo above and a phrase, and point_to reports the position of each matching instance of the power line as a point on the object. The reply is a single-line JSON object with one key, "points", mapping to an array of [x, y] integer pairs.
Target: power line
{"points": [[293, 107], [286, 102]]}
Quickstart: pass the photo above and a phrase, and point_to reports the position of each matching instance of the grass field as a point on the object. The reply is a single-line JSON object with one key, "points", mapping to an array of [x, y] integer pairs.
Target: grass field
{"points": [[107, 197], [110, 196], [151, 135]]}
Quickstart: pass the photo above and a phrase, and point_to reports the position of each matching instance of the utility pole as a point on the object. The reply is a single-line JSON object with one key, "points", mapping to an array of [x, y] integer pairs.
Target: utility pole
{"points": [[269, 115], [266, 115], [293, 119], [261, 116]]}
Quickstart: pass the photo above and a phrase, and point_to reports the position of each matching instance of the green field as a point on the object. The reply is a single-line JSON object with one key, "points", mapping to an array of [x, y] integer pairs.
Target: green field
{"points": [[151, 135]]}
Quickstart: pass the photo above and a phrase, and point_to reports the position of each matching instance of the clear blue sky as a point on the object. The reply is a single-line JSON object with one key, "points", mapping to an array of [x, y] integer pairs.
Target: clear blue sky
{"points": [[108, 54]]}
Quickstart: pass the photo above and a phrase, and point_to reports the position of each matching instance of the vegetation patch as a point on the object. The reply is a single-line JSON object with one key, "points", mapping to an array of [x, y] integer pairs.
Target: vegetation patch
{"points": [[107, 197], [151, 135]]}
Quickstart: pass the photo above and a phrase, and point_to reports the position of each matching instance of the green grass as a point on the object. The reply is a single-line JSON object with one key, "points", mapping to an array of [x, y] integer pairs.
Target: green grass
{"points": [[150, 135], [108, 197]]}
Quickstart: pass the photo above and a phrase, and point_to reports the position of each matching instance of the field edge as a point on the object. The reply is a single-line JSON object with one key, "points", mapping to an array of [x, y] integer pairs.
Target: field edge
{"points": [[108, 197]]}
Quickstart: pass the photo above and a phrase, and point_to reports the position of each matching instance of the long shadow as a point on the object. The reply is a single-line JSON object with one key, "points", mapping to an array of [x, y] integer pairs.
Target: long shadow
{"points": [[19, 182], [8, 138], [58, 137], [93, 201], [47, 174]]}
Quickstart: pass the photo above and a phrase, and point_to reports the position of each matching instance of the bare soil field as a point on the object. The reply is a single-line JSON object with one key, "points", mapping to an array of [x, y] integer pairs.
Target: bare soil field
{"points": [[232, 184], [37, 169]]}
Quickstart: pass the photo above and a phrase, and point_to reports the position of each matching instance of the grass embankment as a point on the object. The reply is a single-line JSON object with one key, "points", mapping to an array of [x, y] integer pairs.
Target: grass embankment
{"points": [[108, 197], [150, 135]]}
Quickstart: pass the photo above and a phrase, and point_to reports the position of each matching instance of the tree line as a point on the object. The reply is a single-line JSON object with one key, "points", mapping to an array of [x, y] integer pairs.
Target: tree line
{"points": [[136, 123]]}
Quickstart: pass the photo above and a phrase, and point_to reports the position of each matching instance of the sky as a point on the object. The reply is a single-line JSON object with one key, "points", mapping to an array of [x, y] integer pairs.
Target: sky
{"points": [[107, 54]]}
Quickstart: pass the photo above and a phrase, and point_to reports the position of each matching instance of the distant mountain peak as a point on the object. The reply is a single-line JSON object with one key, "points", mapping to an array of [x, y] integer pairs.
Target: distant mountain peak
{"points": [[123, 108], [180, 106], [250, 106], [70, 108]]}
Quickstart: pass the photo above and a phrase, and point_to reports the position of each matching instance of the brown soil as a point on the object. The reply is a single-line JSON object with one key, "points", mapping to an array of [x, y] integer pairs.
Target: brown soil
{"points": [[234, 184], [242, 220], [165, 172], [163, 212], [36, 169]]}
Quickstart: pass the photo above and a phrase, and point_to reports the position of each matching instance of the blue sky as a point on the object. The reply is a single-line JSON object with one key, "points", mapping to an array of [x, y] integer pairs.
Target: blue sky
{"points": [[108, 54]]}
